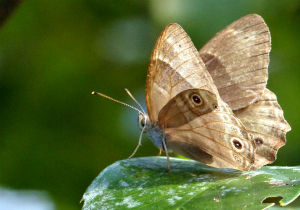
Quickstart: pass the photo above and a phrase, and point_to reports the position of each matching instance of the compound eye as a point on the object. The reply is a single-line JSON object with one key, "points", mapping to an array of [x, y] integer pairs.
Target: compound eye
{"points": [[142, 123]]}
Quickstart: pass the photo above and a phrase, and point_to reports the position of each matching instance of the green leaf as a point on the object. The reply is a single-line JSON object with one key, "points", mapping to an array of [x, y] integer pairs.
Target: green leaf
{"points": [[143, 183]]}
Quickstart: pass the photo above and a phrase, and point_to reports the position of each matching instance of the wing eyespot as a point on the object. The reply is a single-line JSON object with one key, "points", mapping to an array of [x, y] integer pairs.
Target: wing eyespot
{"points": [[237, 144], [196, 98], [237, 159], [215, 106], [258, 141]]}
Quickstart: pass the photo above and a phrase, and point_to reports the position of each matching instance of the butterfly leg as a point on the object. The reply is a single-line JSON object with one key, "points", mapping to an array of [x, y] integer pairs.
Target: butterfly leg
{"points": [[166, 150], [139, 144], [159, 152]]}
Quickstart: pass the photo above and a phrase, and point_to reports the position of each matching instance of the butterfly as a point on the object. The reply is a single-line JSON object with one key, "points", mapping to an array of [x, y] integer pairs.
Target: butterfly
{"points": [[212, 105]]}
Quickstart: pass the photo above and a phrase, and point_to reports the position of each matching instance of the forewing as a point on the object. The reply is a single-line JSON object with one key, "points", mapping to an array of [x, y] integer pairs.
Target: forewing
{"points": [[175, 66], [186, 106], [237, 58]]}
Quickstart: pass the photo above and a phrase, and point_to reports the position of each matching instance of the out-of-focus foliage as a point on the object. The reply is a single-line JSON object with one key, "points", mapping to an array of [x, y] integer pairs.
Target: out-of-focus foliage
{"points": [[55, 135]]}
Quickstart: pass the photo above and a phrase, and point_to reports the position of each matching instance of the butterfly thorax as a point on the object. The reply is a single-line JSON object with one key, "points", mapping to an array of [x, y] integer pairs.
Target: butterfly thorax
{"points": [[154, 131], [156, 135]]}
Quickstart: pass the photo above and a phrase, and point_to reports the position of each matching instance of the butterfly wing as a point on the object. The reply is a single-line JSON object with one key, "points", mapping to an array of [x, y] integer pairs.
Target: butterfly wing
{"points": [[175, 66], [264, 120], [237, 58], [186, 106], [207, 132], [175, 70]]}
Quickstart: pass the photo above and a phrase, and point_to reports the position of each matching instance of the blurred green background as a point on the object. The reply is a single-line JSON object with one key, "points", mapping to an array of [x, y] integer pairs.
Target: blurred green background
{"points": [[57, 137]]}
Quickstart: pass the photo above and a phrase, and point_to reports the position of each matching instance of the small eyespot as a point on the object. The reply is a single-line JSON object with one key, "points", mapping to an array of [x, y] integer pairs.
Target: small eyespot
{"points": [[197, 99], [233, 128], [258, 141], [237, 144], [225, 118], [237, 158], [215, 106], [179, 45]]}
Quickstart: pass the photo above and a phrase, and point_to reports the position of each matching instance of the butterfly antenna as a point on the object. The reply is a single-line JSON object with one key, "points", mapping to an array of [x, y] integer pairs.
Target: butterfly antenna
{"points": [[134, 100], [143, 113], [105, 96]]}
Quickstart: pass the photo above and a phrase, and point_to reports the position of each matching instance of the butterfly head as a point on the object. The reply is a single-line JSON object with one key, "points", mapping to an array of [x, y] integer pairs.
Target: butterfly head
{"points": [[143, 120]]}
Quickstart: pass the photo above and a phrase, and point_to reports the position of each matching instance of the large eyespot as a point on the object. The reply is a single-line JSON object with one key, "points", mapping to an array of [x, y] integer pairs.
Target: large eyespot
{"points": [[196, 98], [237, 144]]}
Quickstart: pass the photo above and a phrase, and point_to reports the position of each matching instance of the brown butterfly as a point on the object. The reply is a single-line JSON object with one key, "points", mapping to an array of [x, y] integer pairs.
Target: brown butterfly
{"points": [[212, 106]]}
